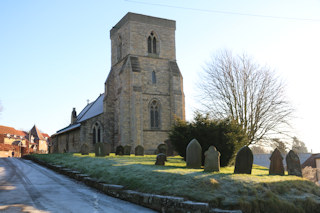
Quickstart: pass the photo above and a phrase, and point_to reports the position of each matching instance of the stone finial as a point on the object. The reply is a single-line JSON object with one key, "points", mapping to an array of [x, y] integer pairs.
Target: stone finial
{"points": [[244, 161], [293, 164], [194, 155], [276, 164], [212, 160]]}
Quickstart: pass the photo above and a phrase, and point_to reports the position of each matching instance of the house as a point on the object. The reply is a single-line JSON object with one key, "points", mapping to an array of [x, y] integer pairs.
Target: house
{"points": [[22, 142]]}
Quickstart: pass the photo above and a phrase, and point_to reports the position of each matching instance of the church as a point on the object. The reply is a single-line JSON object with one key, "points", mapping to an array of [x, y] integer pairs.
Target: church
{"points": [[143, 91]]}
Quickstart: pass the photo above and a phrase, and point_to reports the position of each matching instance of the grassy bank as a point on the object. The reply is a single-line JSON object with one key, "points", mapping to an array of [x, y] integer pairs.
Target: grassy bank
{"points": [[258, 192]]}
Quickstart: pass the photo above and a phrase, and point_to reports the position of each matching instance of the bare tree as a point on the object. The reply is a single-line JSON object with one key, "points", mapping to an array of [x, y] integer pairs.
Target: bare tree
{"points": [[281, 145], [238, 88], [298, 146]]}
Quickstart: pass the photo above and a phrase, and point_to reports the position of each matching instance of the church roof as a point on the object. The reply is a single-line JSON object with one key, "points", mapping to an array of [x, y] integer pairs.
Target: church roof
{"points": [[91, 110]]}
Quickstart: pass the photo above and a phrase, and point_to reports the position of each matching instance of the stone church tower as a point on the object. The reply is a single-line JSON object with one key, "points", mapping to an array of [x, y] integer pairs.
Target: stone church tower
{"points": [[144, 89]]}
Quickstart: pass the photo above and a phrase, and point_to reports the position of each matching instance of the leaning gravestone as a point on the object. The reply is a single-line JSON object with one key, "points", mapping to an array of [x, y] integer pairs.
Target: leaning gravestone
{"points": [[161, 158], [162, 148], [276, 165], [119, 150], [139, 150], [84, 149], [127, 150], [244, 161], [193, 155], [212, 160], [293, 164]]}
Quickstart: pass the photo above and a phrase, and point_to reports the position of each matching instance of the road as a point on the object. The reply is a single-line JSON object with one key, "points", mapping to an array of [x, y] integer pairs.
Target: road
{"points": [[29, 187]]}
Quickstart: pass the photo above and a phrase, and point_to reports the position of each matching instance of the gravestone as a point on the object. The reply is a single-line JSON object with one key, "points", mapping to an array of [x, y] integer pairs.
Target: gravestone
{"points": [[244, 161], [84, 149], [193, 155], [276, 165], [162, 148], [161, 158], [97, 149], [119, 150], [212, 160], [139, 150], [102, 149], [170, 149], [293, 164], [127, 150], [105, 149]]}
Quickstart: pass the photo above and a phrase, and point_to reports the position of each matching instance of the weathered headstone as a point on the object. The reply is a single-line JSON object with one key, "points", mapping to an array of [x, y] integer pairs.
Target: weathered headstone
{"points": [[105, 149], [127, 150], [170, 149], [97, 149], [84, 149], [212, 160], [162, 148], [139, 150], [193, 155], [161, 158], [293, 164], [276, 165], [119, 150], [244, 161], [102, 149]]}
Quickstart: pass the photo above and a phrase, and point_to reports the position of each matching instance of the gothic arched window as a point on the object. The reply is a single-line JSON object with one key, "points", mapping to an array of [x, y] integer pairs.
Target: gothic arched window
{"points": [[97, 133], [154, 78], [152, 43], [94, 135], [155, 114]]}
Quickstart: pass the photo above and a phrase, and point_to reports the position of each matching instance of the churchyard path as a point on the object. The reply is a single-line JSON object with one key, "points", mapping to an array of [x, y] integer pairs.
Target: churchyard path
{"points": [[29, 187]]}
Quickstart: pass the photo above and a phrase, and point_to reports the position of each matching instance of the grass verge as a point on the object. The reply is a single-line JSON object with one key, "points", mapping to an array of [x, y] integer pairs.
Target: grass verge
{"points": [[258, 192]]}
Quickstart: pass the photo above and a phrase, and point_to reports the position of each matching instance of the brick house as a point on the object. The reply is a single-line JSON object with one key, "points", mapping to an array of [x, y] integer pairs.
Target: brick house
{"points": [[22, 142]]}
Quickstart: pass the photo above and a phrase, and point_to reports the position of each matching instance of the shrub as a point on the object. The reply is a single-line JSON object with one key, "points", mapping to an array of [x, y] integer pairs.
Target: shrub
{"points": [[226, 135]]}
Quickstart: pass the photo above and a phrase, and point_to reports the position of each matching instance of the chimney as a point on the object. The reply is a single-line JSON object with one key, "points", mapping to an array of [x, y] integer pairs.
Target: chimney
{"points": [[73, 116]]}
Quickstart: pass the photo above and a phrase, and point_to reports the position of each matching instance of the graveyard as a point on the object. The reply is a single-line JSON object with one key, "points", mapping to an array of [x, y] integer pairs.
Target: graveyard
{"points": [[255, 192]]}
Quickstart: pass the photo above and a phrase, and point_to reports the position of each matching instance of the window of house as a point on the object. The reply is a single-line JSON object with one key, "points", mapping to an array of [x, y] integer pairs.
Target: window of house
{"points": [[155, 114], [154, 79], [152, 43]]}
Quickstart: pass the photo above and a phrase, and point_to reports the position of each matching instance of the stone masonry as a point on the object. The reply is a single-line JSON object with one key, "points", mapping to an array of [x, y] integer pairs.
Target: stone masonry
{"points": [[143, 91]]}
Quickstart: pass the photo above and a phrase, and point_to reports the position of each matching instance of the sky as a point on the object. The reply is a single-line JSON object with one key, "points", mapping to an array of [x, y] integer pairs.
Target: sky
{"points": [[55, 55]]}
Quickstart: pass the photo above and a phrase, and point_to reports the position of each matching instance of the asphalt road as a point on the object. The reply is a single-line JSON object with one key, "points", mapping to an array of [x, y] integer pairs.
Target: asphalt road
{"points": [[29, 187]]}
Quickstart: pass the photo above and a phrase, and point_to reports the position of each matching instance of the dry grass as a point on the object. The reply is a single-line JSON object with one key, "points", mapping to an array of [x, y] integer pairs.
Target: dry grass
{"points": [[258, 192]]}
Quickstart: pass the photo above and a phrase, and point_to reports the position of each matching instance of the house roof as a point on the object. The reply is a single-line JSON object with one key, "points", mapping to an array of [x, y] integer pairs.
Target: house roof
{"points": [[36, 133], [91, 110], [311, 161], [12, 131]]}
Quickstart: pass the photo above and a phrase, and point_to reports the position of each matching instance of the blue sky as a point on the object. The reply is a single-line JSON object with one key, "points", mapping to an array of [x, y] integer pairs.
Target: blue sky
{"points": [[54, 55]]}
